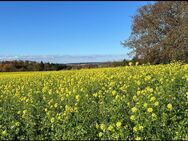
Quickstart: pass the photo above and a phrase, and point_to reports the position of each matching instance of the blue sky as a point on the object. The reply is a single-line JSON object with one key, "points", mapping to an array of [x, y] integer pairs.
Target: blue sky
{"points": [[65, 28]]}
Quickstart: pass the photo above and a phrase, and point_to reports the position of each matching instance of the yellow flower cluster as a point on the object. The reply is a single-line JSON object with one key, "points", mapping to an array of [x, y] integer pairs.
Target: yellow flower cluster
{"points": [[150, 110], [118, 124], [169, 106], [131, 102]]}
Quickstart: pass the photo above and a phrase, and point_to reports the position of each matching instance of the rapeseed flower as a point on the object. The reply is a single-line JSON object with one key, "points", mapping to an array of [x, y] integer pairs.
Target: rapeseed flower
{"points": [[132, 117], [52, 120], [150, 110], [153, 98], [100, 134], [118, 124], [156, 103], [169, 106], [134, 109], [110, 128], [102, 126]]}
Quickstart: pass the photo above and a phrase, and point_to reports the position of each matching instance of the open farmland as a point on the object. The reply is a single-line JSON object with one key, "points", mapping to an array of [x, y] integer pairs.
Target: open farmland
{"points": [[132, 102]]}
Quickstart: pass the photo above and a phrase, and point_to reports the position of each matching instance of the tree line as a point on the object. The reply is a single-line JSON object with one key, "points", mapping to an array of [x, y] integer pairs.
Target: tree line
{"points": [[18, 65]]}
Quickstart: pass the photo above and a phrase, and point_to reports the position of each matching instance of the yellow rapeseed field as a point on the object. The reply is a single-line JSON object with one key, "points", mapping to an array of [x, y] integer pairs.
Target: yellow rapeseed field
{"points": [[132, 102]]}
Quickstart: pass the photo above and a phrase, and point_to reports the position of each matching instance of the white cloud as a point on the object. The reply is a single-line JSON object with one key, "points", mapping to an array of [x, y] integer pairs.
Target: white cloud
{"points": [[66, 58]]}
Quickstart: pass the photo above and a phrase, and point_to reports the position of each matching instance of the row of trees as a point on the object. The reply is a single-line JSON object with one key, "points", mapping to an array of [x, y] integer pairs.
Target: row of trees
{"points": [[13, 66], [18, 65], [160, 33]]}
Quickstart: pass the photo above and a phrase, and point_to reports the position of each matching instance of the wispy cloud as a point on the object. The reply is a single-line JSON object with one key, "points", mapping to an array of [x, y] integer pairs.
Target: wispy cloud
{"points": [[67, 58]]}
